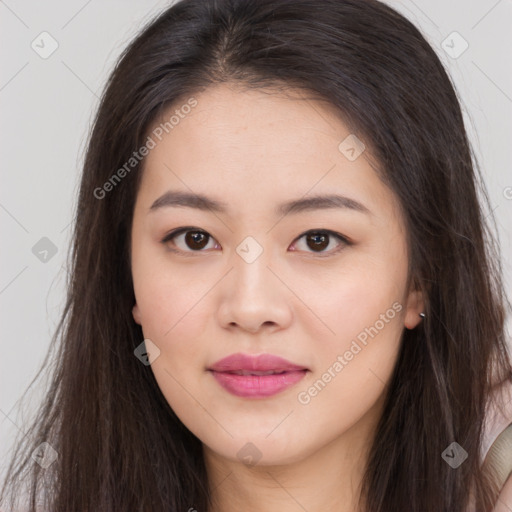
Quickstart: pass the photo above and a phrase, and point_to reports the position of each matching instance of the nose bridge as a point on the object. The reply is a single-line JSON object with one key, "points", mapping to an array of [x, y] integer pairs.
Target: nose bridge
{"points": [[253, 296], [251, 299], [251, 261]]}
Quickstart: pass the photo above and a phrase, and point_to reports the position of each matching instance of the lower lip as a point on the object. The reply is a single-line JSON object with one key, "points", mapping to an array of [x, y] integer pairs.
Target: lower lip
{"points": [[257, 386]]}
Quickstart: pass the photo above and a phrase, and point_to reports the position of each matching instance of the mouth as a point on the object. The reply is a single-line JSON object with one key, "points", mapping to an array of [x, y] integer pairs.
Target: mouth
{"points": [[253, 385], [256, 376]]}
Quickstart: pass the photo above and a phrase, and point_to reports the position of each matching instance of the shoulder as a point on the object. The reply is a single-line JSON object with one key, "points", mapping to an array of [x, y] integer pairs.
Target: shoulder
{"points": [[504, 503], [497, 448], [498, 416]]}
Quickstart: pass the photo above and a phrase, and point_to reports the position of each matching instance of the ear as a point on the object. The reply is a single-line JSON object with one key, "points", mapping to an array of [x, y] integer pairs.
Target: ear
{"points": [[415, 306], [136, 314]]}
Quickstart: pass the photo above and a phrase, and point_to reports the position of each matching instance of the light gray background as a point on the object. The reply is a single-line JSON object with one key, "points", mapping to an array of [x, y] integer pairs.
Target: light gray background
{"points": [[48, 104]]}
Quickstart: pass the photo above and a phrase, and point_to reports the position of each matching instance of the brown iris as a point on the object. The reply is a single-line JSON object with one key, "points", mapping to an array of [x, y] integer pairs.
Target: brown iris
{"points": [[321, 240], [196, 239]]}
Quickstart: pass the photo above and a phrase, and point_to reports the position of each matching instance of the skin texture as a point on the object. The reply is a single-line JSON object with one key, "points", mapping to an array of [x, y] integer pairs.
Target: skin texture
{"points": [[254, 150]]}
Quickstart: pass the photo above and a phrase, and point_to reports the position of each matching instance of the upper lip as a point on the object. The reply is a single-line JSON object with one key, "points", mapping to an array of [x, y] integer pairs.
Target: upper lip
{"points": [[257, 363]]}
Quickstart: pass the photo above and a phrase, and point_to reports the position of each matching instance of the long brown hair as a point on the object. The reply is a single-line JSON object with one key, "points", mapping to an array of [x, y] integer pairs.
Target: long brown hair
{"points": [[120, 446]]}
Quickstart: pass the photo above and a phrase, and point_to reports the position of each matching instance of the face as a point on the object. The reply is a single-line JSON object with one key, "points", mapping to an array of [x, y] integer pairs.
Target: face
{"points": [[321, 285]]}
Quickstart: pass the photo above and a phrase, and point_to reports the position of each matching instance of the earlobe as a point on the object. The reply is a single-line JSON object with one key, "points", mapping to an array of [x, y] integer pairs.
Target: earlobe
{"points": [[136, 314], [415, 307]]}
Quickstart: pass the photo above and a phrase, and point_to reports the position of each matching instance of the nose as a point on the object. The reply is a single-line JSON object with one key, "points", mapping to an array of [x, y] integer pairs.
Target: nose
{"points": [[253, 296]]}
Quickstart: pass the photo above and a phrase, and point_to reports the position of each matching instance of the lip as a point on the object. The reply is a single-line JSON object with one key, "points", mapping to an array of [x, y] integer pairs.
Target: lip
{"points": [[243, 375], [262, 362]]}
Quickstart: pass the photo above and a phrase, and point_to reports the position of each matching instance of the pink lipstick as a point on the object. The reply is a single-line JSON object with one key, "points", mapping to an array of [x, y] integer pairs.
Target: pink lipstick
{"points": [[252, 376]]}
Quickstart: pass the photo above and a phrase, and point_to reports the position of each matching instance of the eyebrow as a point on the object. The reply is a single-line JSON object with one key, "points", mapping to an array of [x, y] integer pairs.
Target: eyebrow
{"points": [[174, 198]]}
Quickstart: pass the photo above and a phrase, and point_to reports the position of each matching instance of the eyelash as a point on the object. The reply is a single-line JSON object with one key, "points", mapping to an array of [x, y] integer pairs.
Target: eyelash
{"points": [[173, 234]]}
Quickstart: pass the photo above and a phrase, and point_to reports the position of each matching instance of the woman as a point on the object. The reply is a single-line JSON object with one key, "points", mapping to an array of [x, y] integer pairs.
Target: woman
{"points": [[284, 295]]}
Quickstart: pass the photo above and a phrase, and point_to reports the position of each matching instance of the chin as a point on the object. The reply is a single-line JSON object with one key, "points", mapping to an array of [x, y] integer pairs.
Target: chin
{"points": [[257, 450]]}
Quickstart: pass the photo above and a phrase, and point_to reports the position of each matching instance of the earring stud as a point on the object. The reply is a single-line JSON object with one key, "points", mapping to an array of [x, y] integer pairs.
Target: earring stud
{"points": [[422, 315]]}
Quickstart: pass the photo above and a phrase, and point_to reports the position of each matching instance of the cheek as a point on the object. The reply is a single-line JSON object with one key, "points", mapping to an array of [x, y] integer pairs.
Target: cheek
{"points": [[167, 296], [175, 310], [364, 310], [353, 302], [174, 316], [366, 339], [353, 367], [173, 313]]}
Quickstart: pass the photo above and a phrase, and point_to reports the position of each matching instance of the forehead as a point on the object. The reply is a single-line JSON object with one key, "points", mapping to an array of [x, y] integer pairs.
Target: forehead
{"points": [[238, 124], [250, 147]]}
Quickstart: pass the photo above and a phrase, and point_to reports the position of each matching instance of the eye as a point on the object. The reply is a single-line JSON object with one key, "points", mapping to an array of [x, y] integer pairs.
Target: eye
{"points": [[318, 240], [196, 240]]}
